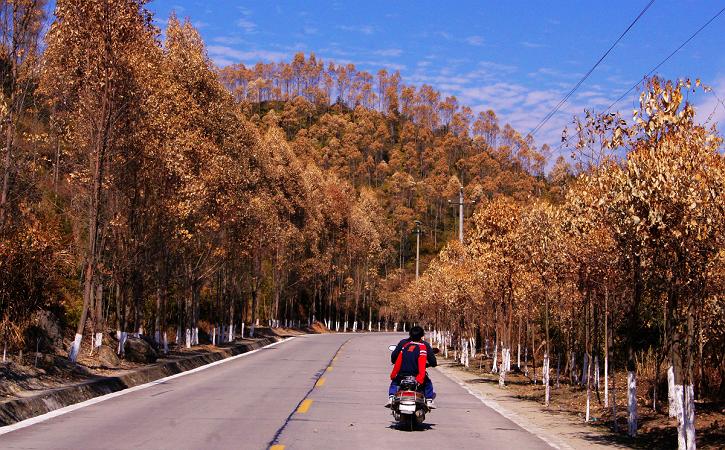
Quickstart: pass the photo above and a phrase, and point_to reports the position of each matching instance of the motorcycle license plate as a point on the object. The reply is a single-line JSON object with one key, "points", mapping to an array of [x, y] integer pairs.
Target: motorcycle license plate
{"points": [[407, 409]]}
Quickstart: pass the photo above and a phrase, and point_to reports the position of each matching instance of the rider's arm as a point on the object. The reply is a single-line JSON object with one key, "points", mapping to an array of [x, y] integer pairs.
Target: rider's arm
{"points": [[422, 358], [396, 352], [396, 368], [432, 361]]}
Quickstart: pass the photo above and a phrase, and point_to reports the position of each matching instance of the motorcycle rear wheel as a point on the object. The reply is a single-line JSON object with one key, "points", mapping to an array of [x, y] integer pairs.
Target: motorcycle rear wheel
{"points": [[407, 422]]}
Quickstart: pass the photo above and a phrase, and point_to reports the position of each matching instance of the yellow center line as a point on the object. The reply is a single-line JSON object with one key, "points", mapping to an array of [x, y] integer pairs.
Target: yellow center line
{"points": [[320, 382], [277, 447], [305, 406], [329, 368]]}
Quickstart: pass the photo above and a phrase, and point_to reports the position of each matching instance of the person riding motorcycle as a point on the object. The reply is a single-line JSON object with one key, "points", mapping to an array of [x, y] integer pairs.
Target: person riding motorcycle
{"points": [[410, 358]]}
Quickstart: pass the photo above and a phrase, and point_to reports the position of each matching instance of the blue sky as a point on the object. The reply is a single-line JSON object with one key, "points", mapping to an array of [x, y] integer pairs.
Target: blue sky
{"points": [[516, 57]]}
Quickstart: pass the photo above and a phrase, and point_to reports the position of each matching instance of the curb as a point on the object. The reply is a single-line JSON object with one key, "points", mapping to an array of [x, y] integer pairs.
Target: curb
{"points": [[16, 410]]}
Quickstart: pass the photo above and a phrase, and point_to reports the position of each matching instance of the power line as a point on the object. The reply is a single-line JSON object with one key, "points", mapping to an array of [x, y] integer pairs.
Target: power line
{"points": [[561, 144], [666, 59], [584, 78]]}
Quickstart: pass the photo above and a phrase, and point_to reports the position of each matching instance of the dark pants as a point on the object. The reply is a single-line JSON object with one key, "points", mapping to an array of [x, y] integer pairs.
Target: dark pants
{"points": [[427, 388]]}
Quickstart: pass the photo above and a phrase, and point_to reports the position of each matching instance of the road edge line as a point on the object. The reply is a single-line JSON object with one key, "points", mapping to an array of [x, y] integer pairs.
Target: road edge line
{"points": [[92, 401]]}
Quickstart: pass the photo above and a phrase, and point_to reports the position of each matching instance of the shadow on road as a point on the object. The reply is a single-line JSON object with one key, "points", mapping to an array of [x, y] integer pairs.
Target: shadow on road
{"points": [[421, 427]]}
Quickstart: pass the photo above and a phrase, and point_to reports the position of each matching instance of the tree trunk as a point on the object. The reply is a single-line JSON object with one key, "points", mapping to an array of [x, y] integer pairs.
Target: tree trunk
{"points": [[7, 162], [606, 347], [99, 322], [98, 163], [545, 378]]}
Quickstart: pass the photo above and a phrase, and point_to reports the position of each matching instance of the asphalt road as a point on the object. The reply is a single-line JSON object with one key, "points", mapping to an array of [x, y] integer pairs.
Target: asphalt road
{"points": [[312, 392]]}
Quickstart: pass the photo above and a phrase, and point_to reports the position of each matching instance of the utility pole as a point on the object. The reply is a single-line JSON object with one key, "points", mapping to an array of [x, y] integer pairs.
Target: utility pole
{"points": [[417, 232], [460, 204]]}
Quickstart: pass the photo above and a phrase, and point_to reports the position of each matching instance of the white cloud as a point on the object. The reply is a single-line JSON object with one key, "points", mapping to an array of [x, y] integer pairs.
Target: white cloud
{"points": [[227, 40], [388, 52], [364, 29], [223, 55], [247, 25], [475, 40]]}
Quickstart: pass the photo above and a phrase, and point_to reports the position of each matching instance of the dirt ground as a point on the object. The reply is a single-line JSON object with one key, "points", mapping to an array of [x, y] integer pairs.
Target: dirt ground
{"points": [[656, 429]]}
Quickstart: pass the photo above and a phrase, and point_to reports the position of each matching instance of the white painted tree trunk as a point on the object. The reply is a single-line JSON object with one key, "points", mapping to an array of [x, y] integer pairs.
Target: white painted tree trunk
{"points": [[518, 356], [671, 397], [632, 403], [177, 339], [589, 392], [187, 341], [242, 331], [75, 348], [502, 370], [606, 381], [494, 366], [688, 416], [166, 343], [124, 338], [678, 403], [545, 380], [589, 397], [596, 371], [98, 341], [526, 361]]}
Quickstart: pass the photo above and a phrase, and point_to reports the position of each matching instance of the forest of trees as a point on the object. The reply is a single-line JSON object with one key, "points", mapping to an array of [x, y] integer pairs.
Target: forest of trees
{"points": [[147, 191], [626, 271]]}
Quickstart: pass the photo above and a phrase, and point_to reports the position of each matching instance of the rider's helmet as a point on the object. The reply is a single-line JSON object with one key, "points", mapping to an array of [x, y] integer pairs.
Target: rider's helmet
{"points": [[416, 333]]}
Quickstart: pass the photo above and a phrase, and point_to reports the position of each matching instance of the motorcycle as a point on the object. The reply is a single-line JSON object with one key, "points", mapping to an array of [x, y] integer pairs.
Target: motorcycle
{"points": [[408, 406]]}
